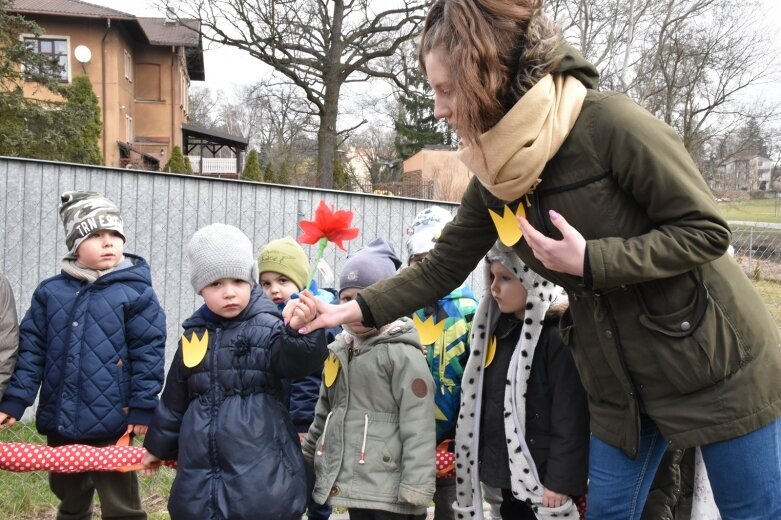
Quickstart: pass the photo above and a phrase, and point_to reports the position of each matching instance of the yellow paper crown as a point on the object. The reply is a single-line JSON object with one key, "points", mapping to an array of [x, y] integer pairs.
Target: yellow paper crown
{"points": [[428, 331], [507, 225], [194, 348]]}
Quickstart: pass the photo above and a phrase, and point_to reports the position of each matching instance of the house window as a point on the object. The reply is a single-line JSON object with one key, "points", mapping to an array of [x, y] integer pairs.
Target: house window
{"points": [[54, 48], [128, 128], [128, 66]]}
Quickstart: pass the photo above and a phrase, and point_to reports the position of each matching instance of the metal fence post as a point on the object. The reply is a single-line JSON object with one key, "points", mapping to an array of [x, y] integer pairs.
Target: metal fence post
{"points": [[750, 247]]}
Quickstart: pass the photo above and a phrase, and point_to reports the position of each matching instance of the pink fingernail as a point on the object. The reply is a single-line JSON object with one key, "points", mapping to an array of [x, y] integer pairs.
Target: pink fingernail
{"points": [[553, 214]]}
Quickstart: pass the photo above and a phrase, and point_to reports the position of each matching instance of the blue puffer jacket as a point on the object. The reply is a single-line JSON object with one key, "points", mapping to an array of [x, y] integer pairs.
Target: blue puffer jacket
{"points": [[302, 394], [97, 350], [223, 420]]}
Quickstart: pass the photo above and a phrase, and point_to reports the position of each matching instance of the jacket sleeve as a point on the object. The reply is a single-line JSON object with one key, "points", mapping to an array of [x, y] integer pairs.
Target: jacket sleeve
{"points": [[651, 165], [459, 249], [30, 360], [294, 355], [9, 333], [413, 390], [304, 394], [322, 409], [146, 333], [567, 467], [162, 438]]}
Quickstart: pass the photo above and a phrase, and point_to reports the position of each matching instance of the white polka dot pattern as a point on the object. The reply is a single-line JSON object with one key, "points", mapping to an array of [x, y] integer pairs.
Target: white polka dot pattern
{"points": [[72, 458]]}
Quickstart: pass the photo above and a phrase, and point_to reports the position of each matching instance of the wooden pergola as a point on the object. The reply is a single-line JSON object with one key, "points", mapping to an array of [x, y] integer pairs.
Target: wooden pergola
{"points": [[200, 138]]}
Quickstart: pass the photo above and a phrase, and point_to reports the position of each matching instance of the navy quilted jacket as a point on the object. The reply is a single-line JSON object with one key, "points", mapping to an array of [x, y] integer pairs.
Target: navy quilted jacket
{"points": [[224, 422], [97, 352]]}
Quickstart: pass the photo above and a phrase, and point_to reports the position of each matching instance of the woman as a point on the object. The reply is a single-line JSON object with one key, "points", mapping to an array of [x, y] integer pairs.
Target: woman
{"points": [[673, 344]]}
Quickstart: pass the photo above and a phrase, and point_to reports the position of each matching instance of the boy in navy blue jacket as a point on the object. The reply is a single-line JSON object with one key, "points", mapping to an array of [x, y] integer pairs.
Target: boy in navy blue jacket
{"points": [[221, 415], [93, 340]]}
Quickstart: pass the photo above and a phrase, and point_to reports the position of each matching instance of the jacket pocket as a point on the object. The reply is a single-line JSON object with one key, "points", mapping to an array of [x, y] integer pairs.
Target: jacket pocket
{"points": [[122, 379], [379, 475], [696, 346]]}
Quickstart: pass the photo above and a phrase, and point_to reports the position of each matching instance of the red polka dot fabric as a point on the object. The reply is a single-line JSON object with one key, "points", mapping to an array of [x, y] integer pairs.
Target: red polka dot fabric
{"points": [[445, 460], [73, 458]]}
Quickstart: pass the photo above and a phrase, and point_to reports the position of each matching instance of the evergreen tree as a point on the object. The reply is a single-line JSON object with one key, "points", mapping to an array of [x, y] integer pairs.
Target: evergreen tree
{"points": [[29, 128], [415, 123], [81, 116], [252, 167], [178, 163], [341, 174], [269, 175]]}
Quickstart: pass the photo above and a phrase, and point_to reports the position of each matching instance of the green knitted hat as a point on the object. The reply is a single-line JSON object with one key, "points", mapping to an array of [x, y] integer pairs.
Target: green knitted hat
{"points": [[286, 257]]}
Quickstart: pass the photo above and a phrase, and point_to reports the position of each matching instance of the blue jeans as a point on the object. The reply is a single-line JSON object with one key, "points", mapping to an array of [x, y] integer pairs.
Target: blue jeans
{"points": [[744, 473]]}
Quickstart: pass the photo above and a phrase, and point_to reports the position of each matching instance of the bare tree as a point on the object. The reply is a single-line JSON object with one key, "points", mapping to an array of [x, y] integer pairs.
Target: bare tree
{"points": [[689, 62], [319, 45]]}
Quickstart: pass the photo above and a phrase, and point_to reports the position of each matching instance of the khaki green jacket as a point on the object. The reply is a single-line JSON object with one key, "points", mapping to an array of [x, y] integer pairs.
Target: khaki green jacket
{"points": [[9, 334], [664, 322], [381, 405]]}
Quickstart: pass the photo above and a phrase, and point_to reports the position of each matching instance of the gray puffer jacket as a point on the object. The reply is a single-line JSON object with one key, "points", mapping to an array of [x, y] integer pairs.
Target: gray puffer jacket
{"points": [[9, 333]]}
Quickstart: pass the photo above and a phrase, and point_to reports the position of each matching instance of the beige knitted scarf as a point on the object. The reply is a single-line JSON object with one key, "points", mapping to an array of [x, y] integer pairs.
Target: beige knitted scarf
{"points": [[80, 271], [515, 151]]}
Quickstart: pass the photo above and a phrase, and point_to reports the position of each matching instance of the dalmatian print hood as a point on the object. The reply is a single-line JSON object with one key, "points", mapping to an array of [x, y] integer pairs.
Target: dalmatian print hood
{"points": [[543, 297]]}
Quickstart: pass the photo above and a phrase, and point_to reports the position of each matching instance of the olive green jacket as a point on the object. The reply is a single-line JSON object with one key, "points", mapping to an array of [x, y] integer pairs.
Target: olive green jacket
{"points": [[9, 333], [373, 438], [664, 321]]}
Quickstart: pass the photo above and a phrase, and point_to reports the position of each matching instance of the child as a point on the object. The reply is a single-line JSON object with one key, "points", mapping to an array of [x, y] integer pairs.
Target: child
{"points": [[93, 340], [220, 415], [447, 354], [9, 333], [372, 441], [525, 427], [283, 270]]}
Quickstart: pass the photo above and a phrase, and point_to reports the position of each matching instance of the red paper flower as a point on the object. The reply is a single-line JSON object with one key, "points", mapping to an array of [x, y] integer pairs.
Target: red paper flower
{"points": [[329, 224]]}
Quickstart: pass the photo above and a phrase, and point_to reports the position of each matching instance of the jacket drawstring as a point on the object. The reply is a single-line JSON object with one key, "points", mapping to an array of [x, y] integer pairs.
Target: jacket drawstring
{"points": [[325, 429], [362, 459]]}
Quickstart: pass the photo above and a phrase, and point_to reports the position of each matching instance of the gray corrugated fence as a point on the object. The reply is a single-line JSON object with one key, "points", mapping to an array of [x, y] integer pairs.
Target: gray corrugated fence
{"points": [[161, 211]]}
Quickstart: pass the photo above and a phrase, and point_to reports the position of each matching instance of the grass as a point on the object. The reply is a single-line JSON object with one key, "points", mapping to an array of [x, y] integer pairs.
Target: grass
{"points": [[26, 496], [762, 210]]}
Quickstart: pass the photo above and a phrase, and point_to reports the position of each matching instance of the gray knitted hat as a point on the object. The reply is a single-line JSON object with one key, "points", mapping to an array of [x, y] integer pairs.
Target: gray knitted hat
{"points": [[370, 264], [220, 251], [85, 212]]}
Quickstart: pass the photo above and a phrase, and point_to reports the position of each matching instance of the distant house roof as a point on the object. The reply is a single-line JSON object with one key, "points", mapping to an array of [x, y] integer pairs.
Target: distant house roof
{"points": [[158, 31], [66, 8]]}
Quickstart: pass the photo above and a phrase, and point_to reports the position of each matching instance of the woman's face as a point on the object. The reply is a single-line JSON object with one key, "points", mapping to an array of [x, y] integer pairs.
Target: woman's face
{"points": [[438, 74]]}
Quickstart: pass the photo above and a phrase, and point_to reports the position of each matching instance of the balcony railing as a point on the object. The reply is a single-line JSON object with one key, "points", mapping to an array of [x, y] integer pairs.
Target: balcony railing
{"points": [[213, 166]]}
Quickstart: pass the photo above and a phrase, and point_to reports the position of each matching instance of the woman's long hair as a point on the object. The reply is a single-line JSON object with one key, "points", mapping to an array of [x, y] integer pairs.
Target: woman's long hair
{"points": [[496, 50]]}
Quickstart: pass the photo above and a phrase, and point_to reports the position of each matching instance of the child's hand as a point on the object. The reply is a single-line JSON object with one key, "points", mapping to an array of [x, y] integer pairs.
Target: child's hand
{"points": [[303, 310], [137, 429], [6, 421], [553, 499], [151, 464]]}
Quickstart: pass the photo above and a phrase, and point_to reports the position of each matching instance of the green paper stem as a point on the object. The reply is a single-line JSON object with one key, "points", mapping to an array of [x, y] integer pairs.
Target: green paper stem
{"points": [[321, 245]]}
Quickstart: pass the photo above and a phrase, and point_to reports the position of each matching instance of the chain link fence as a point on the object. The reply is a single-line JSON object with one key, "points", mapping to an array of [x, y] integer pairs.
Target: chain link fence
{"points": [[757, 248]]}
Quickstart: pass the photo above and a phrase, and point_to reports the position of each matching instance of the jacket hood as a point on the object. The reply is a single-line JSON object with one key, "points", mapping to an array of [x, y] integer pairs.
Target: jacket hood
{"points": [[545, 293], [399, 331], [457, 294], [258, 303], [574, 64]]}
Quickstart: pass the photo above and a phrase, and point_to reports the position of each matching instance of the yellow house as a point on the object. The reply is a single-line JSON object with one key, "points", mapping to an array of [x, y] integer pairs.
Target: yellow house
{"points": [[140, 69], [439, 173]]}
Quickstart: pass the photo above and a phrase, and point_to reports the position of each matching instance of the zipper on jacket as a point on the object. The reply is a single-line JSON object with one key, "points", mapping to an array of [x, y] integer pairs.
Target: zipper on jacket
{"points": [[537, 207], [83, 288], [634, 394], [213, 374]]}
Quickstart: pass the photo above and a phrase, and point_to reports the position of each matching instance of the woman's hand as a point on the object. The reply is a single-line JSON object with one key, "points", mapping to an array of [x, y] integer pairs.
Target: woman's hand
{"points": [[328, 315], [563, 256]]}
